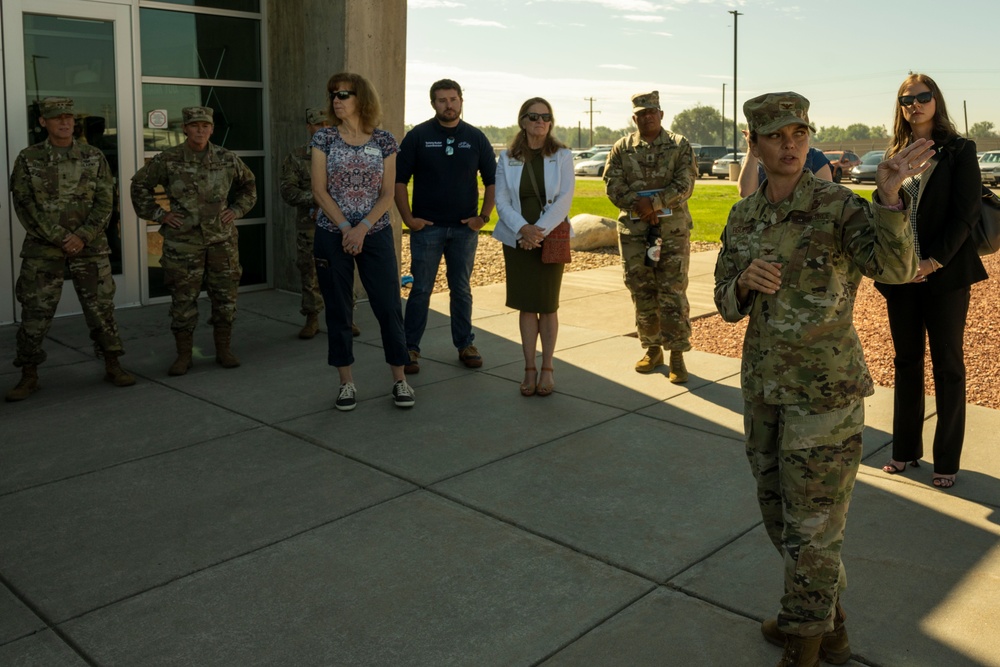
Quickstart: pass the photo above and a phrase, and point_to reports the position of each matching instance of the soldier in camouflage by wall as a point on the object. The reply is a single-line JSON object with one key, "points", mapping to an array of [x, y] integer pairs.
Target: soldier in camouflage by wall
{"points": [[296, 190], [793, 254], [62, 192], [650, 172], [200, 242]]}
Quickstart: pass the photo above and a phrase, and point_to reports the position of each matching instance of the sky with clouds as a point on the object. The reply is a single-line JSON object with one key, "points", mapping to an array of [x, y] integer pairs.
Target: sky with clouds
{"points": [[848, 57]]}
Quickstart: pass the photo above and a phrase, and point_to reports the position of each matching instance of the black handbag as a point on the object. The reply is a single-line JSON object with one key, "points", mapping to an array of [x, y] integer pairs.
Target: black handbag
{"points": [[986, 234]]}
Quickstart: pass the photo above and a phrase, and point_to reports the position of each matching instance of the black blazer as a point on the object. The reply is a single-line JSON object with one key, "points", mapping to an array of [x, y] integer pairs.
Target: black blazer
{"points": [[949, 208]]}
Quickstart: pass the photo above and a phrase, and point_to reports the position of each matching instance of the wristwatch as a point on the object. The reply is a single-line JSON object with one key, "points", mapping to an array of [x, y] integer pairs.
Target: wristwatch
{"points": [[486, 218]]}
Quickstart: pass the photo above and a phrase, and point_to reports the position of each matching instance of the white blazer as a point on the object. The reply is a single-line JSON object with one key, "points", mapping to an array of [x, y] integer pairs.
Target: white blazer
{"points": [[559, 184]]}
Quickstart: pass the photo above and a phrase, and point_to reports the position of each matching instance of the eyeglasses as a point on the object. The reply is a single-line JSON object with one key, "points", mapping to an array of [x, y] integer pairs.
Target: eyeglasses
{"points": [[342, 94], [923, 98], [535, 117], [449, 146]]}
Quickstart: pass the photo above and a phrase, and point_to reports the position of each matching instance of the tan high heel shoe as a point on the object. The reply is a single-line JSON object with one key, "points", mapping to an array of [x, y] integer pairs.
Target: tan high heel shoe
{"points": [[547, 388], [528, 388]]}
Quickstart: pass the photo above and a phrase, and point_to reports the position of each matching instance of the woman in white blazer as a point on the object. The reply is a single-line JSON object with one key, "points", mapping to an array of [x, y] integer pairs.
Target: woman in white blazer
{"points": [[531, 202]]}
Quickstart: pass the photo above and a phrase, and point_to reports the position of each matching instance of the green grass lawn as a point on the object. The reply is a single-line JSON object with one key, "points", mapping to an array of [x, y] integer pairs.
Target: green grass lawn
{"points": [[709, 205]]}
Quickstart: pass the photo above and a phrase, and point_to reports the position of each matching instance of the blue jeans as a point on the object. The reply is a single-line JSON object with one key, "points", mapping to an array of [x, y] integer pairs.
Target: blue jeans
{"points": [[380, 276], [457, 244]]}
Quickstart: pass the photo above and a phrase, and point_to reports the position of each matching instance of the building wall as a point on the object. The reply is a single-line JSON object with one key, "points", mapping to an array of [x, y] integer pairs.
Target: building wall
{"points": [[308, 40]]}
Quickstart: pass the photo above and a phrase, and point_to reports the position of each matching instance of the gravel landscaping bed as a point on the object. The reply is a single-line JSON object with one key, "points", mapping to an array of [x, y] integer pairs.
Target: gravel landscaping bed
{"points": [[711, 334]]}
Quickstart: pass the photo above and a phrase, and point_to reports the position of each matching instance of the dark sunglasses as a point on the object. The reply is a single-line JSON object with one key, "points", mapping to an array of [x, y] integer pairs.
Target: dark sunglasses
{"points": [[342, 94], [449, 148], [534, 117], [923, 98]]}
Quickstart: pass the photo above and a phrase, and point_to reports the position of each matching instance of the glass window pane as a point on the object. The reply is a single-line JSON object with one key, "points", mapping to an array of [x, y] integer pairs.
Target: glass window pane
{"points": [[239, 115], [234, 5], [75, 58], [253, 254], [199, 46]]}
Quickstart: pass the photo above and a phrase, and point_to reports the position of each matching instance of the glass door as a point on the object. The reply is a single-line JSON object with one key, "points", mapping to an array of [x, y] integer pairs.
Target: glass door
{"points": [[82, 50]]}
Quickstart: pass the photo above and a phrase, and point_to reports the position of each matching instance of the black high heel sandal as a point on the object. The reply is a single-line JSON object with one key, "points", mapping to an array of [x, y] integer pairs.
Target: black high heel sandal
{"points": [[893, 470]]}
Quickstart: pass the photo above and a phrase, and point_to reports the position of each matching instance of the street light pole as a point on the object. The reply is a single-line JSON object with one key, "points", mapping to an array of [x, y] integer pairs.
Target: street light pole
{"points": [[736, 19], [722, 134]]}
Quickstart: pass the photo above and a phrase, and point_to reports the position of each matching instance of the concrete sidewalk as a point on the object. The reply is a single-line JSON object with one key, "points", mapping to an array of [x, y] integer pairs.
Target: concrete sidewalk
{"points": [[232, 517]]}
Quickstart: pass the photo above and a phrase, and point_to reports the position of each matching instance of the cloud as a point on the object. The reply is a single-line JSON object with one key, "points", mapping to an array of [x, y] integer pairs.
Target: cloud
{"points": [[664, 34], [616, 66], [479, 23], [433, 4], [624, 5], [644, 18]]}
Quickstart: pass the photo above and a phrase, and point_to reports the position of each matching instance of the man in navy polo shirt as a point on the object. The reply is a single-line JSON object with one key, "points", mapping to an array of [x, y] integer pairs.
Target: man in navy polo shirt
{"points": [[443, 156]]}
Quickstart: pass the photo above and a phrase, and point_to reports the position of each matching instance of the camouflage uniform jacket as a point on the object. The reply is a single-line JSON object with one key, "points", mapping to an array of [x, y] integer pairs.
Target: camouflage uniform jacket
{"points": [[801, 347], [198, 189], [58, 193], [635, 165], [296, 185]]}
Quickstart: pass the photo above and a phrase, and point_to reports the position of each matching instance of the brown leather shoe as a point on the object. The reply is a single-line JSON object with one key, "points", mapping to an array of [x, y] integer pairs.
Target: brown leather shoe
{"points": [[652, 359], [470, 357], [412, 367]]}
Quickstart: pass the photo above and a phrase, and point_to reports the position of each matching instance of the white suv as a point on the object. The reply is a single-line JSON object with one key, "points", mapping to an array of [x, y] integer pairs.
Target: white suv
{"points": [[989, 167]]}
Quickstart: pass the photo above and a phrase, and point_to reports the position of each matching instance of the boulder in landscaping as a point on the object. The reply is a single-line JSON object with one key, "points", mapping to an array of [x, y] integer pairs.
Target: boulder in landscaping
{"points": [[593, 231]]}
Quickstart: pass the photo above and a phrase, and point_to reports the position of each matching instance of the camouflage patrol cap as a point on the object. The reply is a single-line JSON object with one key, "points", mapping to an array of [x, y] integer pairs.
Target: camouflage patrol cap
{"points": [[773, 111], [315, 116], [198, 115], [642, 101], [52, 107]]}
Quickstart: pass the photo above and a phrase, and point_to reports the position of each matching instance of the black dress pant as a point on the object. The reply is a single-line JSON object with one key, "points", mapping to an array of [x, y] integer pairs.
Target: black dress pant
{"points": [[914, 310]]}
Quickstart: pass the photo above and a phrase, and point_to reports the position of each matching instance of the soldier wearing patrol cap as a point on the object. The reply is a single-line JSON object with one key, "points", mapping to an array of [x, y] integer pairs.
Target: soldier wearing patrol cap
{"points": [[793, 254], [296, 190], [63, 195], [650, 175], [200, 242]]}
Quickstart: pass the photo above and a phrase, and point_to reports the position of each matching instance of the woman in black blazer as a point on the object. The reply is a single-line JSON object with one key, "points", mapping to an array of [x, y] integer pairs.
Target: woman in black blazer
{"points": [[945, 205]]}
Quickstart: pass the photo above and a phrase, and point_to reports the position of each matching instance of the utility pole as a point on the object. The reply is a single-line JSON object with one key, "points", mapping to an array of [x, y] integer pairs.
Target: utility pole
{"points": [[965, 110], [591, 112], [579, 134], [736, 18], [722, 133]]}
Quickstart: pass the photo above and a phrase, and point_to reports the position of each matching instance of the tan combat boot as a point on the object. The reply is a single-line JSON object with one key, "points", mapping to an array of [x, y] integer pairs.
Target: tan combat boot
{"points": [[835, 647], [185, 341], [27, 385], [114, 373], [311, 327], [652, 359], [801, 651], [223, 355], [678, 372]]}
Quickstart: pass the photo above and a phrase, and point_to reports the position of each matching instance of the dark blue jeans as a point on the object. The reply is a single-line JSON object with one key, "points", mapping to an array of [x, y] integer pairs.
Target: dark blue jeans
{"points": [[458, 247], [380, 277]]}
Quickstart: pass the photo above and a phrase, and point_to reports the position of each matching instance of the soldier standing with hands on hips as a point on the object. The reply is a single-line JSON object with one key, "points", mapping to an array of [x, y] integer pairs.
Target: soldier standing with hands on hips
{"points": [[650, 175], [63, 196], [296, 190], [200, 241]]}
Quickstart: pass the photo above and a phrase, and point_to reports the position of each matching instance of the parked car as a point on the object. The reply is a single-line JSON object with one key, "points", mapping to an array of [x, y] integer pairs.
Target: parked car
{"points": [[707, 155], [989, 167], [592, 166], [588, 153], [869, 165], [720, 168], [841, 162]]}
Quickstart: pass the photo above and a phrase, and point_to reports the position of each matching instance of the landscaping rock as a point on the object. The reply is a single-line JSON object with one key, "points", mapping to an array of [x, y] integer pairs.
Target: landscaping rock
{"points": [[593, 231]]}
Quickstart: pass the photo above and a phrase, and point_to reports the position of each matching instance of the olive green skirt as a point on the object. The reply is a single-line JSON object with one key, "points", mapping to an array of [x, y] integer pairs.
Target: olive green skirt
{"points": [[532, 286]]}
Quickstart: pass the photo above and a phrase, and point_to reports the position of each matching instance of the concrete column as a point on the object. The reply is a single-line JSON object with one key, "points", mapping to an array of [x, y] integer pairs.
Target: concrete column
{"points": [[308, 40]]}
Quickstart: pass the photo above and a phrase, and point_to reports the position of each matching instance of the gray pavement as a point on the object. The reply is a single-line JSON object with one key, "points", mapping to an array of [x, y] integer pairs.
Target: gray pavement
{"points": [[231, 517]]}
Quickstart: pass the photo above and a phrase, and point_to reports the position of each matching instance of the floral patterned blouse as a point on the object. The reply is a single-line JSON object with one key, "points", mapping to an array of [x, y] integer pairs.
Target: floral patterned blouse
{"points": [[354, 175]]}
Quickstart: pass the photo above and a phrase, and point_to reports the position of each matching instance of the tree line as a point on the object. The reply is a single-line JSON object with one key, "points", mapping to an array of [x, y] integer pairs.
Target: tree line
{"points": [[703, 124]]}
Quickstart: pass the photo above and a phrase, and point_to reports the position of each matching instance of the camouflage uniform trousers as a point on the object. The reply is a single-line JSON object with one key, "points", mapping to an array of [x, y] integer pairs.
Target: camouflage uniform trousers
{"points": [[312, 298], [662, 313], [187, 266], [38, 290], [805, 465]]}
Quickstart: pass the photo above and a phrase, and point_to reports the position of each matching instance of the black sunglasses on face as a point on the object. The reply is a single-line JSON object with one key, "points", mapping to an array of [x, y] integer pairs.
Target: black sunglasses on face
{"points": [[534, 117], [342, 94], [449, 149], [923, 98]]}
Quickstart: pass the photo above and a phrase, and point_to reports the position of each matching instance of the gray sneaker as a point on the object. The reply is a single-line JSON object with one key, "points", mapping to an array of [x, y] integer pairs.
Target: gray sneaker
{"points": [[403, 394], [345, 399]]}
